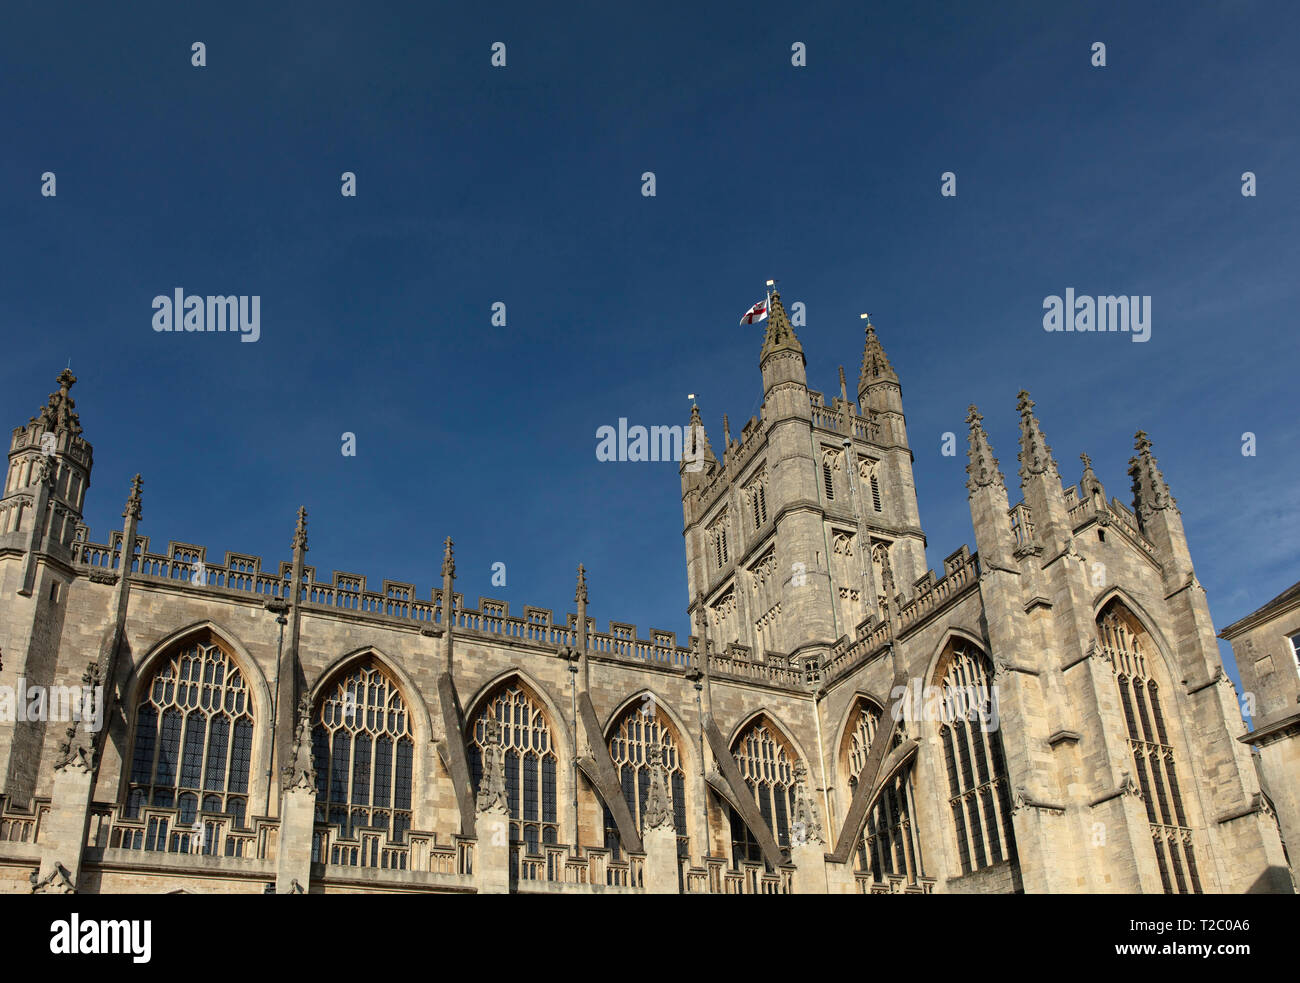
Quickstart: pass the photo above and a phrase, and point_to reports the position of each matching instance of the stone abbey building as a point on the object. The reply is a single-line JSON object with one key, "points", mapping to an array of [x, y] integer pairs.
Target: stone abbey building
{"points": [[1049, 714]]}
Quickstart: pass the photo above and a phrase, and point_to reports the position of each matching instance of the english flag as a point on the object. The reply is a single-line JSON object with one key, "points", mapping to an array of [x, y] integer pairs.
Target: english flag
{"points": [[756, 313]]}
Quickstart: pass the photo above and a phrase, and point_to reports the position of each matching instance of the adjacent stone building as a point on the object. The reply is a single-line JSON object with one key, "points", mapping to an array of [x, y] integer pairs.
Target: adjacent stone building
{"points": [[1266, 645], [1048, 714]]}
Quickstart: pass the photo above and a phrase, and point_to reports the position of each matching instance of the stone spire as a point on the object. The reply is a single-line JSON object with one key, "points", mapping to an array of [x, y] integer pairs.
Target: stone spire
{"points": [[135, 501], [448, 561], [1150, 491], [982, 468], [726, 433], [875, 363], [780, 336], [696, 459], [1035, 455], [60, 412], [658, 811], [580, 599], [300, 531]]}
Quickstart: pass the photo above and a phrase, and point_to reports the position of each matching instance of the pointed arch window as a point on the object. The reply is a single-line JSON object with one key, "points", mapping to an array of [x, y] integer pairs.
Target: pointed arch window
{"points": [[830, 464], [364, 755], [890, 844], [530, 762], [979, 790], [193, 747], [641, 726], [1126, 645], [718, 537], [757, 495], [766, 762], [868, 471]]}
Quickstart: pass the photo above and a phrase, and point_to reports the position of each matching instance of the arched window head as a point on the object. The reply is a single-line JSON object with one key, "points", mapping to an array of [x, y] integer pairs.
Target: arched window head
{"points": [[890, 841], [766, 762], [644, 724], [530, 762], [364, 754], [978, 787], [1128, 647], [869, 472], [193, 743], [830, 464]]}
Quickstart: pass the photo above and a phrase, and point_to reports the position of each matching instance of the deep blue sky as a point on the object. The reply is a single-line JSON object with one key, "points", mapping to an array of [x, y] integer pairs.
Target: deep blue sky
{"points": [[523, 184]]}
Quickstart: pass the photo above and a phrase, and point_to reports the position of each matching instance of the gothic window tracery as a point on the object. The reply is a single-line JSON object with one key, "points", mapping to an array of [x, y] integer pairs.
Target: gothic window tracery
{"points": [[766, 763], [718, 541], [756, 493], [193, 740], [867, 470], [364, 754], [530, 763], [1125, 643], [890, 842], [642, 725], [830, 464], [979, 790]]}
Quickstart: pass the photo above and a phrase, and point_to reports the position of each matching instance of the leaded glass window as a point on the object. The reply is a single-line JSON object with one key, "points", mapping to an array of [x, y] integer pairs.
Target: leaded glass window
{"points": [[766, 762], [364, 754], [530, 762], [193, 740], [890, 842], [1126, 645], [640, 727], [979, 790]]}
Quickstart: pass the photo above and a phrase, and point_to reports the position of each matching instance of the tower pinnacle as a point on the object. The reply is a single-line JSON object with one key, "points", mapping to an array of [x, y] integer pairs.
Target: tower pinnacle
{"points": [[780, 336], [1035, 454], [1150, 490], [875, 363], [982, 467]]}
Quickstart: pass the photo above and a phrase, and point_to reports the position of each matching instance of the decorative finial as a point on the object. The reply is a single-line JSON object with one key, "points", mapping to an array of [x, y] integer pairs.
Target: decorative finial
{"points": [[1150, 490], [134, 501], [1087, 462], [300, 531], [982, 467], [1035, 454], [581, 596], [448, 563]]}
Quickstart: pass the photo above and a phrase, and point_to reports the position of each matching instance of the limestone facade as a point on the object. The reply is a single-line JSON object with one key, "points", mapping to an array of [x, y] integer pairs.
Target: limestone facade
{"points": [[1047, 714]]}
